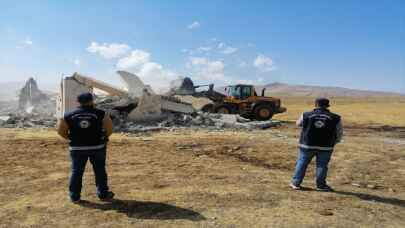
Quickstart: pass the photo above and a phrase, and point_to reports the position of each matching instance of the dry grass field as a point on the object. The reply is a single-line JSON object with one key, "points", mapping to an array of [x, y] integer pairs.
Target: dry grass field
{"points": [[358, 111], [214, 179]]}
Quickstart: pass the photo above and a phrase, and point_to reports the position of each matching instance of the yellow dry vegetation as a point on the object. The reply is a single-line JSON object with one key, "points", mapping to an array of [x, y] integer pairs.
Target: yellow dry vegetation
{"points": [[202, 178], [360, 111]]}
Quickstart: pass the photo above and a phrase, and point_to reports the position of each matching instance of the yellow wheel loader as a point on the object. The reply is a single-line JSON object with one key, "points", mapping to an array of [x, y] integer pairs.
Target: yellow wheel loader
{"points": [[237, 99]]}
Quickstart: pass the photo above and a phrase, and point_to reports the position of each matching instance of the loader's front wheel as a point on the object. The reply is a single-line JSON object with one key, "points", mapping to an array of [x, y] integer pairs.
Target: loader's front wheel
{"points": [[263, 112], [208, 108], [224, 109]]}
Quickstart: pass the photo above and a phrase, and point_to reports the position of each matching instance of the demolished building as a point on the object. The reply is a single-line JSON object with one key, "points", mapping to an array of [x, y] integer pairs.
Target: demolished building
{"points": [[135, 109], [145, 103]]}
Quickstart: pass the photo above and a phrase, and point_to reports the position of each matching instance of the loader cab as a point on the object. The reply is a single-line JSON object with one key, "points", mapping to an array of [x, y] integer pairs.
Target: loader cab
{"points": [[241, 92]]}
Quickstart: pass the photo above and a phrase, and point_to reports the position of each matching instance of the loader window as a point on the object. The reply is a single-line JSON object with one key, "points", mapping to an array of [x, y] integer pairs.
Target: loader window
{"points": [[246, 92], [234, 91]]}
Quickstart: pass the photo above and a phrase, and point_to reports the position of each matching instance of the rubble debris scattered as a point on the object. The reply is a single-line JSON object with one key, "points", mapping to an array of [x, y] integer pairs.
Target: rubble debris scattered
{"points": [[198, 120], [135, 110], [27, 121]]}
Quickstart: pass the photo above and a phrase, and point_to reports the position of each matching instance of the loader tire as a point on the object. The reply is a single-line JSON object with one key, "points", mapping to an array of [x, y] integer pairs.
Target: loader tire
{"points": [[208, 108], [263, 112], [224, 109]]}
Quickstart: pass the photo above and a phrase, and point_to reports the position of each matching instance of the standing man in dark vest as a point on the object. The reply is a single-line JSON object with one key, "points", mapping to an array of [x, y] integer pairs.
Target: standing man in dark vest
{"points": [[87, 130], [321, 131]]}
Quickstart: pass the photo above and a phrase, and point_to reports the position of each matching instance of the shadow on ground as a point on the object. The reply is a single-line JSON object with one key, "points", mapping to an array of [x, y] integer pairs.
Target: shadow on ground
{"points": [[145, 210], [366, 197], [374, 198]]}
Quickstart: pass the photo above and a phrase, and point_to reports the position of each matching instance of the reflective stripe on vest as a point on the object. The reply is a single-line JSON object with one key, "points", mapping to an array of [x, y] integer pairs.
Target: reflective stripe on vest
{"points": [[87, 147], [315, 147]]}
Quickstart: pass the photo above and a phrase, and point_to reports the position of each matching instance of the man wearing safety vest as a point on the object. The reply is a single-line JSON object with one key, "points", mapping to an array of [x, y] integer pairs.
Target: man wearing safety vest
{"points": [[321, 131], [87, 130]]}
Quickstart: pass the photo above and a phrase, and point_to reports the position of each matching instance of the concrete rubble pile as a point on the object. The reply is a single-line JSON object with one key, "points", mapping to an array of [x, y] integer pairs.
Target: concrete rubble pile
{"points": [[27, 121], [135, 109], [35, 109], [199, 120]]}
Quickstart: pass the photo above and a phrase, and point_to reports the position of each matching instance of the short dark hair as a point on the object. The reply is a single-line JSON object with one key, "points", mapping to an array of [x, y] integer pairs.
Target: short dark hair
{"points": [[322, 102], [85, 98]]}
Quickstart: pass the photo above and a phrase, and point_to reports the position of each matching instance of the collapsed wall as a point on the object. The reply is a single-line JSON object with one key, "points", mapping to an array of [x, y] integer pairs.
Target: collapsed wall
{"points": [[31, 95], [69, 89], [32, 99]]}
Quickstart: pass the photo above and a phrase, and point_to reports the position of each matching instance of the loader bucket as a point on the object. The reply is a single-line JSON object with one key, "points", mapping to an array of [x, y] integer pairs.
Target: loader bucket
{"points": [[182, 86]]}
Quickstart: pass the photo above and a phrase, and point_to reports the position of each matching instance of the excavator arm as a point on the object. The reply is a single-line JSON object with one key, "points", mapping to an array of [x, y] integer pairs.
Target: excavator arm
{"points": [[187, 87], [210, 94]]}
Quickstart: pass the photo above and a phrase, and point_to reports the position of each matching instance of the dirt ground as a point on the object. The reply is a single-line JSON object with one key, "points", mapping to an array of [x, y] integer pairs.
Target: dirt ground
{"points": [[206, 179]]}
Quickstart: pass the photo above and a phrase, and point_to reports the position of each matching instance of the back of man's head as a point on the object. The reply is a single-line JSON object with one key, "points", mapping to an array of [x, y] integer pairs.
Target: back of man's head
{"points": [[322, 102], [85, 99]]}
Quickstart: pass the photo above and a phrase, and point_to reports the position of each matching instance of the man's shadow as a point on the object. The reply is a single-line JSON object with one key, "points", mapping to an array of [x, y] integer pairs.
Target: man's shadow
{"points": [[367, 197], [145, 210], [374, 198]]}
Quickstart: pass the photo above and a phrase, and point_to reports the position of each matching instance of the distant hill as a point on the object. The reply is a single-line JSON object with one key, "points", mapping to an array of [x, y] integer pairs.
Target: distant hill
{"points": [[10, 90], [281, 89]]}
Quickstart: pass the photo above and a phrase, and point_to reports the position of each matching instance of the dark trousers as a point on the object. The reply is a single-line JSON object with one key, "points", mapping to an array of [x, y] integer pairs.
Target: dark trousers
{"points": [[79, 159], [304, 158]]}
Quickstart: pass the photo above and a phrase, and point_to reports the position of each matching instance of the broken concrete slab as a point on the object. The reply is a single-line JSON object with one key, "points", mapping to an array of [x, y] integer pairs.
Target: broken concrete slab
{"points": [[149, 108], [94, 83], [172, 104], [134, 84], [197, 102]]}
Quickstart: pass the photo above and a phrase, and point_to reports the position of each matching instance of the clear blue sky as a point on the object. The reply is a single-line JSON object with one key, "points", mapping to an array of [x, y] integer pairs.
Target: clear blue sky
{"points": [[355, 44]]}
